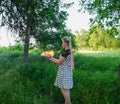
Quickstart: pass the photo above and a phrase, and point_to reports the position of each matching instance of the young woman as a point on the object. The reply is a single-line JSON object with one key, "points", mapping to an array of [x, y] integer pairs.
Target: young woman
{"points": [[64, 79]]}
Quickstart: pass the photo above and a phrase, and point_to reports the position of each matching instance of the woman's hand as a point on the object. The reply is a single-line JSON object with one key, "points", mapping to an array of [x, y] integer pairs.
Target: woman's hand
{"points": [[48, 56]]}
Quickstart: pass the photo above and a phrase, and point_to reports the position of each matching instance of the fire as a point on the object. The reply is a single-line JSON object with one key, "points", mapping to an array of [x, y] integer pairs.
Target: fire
{"points": [[48, 53]]}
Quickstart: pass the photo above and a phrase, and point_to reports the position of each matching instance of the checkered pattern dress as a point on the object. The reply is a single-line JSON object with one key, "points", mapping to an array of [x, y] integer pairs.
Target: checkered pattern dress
{"points": [[64, 75]]}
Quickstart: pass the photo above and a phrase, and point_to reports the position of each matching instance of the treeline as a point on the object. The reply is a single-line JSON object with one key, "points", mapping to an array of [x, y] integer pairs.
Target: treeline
{"points": [[98, 38]]}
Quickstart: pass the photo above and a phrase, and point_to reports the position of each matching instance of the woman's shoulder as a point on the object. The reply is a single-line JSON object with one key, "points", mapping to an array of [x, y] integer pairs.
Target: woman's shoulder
{"points": [[66, 53]]}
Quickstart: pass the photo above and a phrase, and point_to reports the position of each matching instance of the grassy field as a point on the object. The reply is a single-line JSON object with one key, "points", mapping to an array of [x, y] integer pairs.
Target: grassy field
{"points": [[95, 79]]}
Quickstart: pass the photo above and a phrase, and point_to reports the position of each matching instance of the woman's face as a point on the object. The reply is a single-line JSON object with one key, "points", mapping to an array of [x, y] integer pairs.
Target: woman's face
{"points": [[64, 44]]}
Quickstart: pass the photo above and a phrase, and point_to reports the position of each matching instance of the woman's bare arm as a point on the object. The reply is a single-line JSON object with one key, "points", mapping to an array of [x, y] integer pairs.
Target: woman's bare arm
{"points": [[57, 61]]}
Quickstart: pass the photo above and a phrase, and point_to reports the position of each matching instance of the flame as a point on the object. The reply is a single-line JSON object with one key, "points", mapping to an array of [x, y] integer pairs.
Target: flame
{"points": [[48, 53]]}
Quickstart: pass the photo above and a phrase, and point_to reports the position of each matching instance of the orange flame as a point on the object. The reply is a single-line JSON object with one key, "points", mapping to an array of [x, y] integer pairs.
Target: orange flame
{"points": [[48, 53]]}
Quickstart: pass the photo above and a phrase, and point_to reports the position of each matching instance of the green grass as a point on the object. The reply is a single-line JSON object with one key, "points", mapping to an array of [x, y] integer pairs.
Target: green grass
{"points": [[98, 61], [96, 88], [95, 79]]}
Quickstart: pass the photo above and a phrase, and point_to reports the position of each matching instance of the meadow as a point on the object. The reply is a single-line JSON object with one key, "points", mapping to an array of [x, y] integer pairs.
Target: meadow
{"points": [[95, 79]]}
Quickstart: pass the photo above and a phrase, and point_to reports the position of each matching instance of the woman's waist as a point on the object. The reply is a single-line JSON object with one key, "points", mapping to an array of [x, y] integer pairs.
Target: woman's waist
{"points": [[64, 65]]}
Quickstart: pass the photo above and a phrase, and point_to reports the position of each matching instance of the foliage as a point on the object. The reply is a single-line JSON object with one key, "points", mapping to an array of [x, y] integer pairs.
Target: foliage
{"points": [[82, 39], [54, 39], [113, 32], [98, 38], [106, 11], [41, 19]]}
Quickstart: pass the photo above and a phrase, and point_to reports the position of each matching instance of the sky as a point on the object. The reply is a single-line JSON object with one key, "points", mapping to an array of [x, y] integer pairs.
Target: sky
{"points": [[75, 22], [6, 37]]}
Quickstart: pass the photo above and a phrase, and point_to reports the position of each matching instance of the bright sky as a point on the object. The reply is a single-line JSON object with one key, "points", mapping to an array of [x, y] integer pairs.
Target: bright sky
{"points": [[76, 21], [6, 37]]}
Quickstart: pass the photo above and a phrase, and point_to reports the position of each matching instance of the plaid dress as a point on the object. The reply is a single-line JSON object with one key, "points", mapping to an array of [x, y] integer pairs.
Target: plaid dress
{"points": [[64, 75]]}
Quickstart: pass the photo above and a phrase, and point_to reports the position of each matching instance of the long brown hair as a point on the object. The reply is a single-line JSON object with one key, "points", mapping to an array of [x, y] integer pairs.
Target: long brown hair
{"points": [[68, 41]]}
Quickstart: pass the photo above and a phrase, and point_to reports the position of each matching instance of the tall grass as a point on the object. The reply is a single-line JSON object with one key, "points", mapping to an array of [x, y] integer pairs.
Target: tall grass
{"points": [[95, 79], [98, 61]]}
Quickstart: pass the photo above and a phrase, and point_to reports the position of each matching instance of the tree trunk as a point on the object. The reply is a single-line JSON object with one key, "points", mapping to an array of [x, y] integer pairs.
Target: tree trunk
{"points": [[28, 31], [26, 45], [119, 72]]}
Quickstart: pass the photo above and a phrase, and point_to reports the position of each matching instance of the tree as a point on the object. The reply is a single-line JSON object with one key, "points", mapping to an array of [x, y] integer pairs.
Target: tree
{"points": [[106, 11], [99, 38], [82, 39], [113, 32], [78, 40], [35, 18], [19, 16], [85, 37]]}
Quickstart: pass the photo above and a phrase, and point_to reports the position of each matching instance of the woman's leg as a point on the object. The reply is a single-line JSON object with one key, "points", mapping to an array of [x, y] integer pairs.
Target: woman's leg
{"points": [[66, 94]]}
